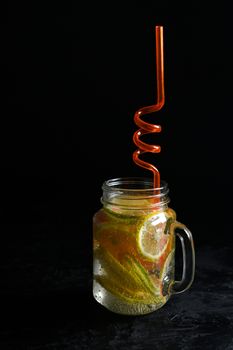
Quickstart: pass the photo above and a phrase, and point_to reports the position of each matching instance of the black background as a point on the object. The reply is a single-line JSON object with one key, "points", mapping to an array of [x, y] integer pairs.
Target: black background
{"points": [[76, 75]]}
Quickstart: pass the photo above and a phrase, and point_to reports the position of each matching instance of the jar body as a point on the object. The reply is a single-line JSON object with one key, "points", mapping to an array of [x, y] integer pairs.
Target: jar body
{"points": [[133, 256]]}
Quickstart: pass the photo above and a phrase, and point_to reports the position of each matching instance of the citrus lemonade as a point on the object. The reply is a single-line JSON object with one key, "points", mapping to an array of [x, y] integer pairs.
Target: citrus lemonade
{"points": [[133, 259]]}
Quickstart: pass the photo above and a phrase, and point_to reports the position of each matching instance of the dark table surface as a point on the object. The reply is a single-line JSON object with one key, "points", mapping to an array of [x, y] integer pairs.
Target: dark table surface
{"points": [[47, 304]]}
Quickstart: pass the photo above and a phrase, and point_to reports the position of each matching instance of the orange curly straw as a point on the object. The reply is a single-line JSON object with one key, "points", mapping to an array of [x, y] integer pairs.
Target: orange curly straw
{"points": [[146, 128]]}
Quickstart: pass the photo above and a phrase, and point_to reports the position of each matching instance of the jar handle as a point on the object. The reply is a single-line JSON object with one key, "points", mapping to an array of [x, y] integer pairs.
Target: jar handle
{"points": [[188, 252]]}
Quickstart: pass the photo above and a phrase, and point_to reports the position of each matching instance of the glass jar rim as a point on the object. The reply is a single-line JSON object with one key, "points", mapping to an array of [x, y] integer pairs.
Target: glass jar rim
{"points": [[134, 193], [133, 185]]}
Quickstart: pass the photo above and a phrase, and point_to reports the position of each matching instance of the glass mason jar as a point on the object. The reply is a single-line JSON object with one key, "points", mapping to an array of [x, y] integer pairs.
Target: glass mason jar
{"points": [[134, 248]]}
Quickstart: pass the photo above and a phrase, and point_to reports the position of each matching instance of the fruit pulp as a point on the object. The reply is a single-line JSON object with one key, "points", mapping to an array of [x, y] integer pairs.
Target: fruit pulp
{"points": [[133, 260]]}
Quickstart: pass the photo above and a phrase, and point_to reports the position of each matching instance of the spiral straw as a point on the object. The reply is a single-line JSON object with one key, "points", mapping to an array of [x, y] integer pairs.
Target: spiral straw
{"points": [[147, 128]]}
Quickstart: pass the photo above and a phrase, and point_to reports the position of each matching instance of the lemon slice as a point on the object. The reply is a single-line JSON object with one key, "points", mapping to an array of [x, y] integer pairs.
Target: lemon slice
{"points": [[140, 274], [125, 293], [168, 265], [153, 239], [114, 270], [167, 273], [119, 287], [128, 281]]}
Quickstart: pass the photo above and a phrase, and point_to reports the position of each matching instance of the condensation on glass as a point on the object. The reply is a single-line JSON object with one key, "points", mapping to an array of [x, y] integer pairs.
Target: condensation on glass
{"points": [[134, 241]]}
